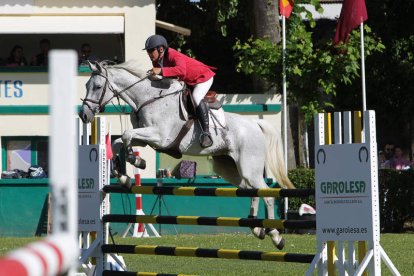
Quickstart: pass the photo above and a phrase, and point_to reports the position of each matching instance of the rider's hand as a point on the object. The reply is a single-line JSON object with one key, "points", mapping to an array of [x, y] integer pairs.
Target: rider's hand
{"points": [[156, 71]]}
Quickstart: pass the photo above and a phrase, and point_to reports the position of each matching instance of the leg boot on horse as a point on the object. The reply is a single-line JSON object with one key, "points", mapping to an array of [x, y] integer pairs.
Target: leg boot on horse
{"points": [[202, 116]]}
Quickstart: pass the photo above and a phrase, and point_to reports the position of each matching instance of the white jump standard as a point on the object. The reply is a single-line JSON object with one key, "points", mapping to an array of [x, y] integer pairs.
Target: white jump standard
{"points": [[346, 195]]}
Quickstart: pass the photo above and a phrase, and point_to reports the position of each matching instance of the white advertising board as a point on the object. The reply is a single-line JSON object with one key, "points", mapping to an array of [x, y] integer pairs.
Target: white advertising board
{"points": [[92, 175], [343, 192]]}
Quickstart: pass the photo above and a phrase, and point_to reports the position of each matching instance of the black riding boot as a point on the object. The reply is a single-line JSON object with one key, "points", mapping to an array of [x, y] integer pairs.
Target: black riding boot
{"points": [[202, 115]]}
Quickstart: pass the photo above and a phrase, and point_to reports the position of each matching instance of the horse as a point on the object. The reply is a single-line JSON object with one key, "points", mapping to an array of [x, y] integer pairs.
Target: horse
{"points": [[241, 148]]}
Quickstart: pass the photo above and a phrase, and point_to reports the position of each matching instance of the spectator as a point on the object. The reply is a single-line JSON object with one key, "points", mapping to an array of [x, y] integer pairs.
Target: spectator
{"points": [[389, 150], [85, 54], [383, 163], [16, 57], [41, 59], [398, 161]]}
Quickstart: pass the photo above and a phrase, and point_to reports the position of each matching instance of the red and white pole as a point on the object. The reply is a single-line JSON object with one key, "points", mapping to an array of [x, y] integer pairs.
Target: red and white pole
{"points": [[139, 228], [54, 255]]}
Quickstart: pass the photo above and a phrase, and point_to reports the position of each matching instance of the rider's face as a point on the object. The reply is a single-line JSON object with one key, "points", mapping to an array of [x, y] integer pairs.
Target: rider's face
{"points": [[155, 55]]}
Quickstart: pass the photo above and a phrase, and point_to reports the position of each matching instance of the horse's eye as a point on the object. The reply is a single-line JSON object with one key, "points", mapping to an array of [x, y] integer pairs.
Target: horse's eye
{"points": [[98, 87]]}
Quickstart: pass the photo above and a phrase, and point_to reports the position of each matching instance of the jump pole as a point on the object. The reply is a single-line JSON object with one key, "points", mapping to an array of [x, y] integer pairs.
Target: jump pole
{"points": [[58, 253]]}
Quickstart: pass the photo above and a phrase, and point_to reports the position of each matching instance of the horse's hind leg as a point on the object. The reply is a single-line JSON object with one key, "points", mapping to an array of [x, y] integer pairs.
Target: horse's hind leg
{"points": [[258, 232], [227, 169], [277, 239], [252, 172]]}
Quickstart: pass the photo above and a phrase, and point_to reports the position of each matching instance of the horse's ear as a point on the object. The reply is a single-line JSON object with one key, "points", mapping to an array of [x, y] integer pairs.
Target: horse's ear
{"points": [[92, 66]]}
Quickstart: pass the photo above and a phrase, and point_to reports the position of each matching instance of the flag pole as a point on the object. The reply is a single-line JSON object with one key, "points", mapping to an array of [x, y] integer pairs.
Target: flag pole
{"points": [[284, 104], [364, 99]]}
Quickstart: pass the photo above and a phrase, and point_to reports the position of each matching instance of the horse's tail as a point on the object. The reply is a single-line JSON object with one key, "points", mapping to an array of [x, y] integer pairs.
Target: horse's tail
{"points": [[274, 154]]}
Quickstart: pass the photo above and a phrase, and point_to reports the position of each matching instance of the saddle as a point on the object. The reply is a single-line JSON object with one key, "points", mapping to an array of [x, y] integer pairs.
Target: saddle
{"points": [[188, 114], [187, 105]]}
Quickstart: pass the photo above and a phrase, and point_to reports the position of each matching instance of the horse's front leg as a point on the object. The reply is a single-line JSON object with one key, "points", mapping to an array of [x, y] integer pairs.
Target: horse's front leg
{"points": [[139, 137], [124, 180]]}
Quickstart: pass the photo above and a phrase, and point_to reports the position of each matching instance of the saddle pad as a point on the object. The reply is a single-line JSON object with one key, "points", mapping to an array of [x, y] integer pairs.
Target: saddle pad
{"points": [[217, 118]]}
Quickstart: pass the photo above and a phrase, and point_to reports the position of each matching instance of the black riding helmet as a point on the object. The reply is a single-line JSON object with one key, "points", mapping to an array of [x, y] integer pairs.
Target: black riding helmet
{"points": [[155, 41]]}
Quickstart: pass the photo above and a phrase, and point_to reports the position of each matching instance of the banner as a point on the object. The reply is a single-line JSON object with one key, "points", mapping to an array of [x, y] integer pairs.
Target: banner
{"points": [[353, 13]]}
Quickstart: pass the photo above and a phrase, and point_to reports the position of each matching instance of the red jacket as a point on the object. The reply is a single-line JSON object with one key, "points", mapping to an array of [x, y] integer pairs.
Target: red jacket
{"points": [[189, 70]]}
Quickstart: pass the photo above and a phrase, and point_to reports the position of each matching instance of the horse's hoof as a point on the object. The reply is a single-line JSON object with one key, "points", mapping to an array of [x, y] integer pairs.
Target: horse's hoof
{"points": [[262, 234], [142, 164], [259, 233], [125, 181], [281, 244]]}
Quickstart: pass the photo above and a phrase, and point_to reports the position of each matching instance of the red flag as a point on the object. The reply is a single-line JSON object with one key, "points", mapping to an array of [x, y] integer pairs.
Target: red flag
{"points": [[285, 7], [109, 153], [353, 13]]}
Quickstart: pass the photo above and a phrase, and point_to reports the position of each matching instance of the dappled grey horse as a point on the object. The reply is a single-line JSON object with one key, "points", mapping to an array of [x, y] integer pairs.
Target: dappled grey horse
{"points": [[242, 147]]}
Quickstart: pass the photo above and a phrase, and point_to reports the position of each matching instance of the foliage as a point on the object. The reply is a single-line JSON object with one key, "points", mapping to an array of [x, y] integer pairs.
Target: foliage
{"points": [[302, 179], [396, 192], [313, 70], [214, 24], [389, 80]]}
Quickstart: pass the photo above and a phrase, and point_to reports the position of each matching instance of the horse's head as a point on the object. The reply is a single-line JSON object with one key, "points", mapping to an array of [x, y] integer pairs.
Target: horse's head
{"points": [[99, 92]]}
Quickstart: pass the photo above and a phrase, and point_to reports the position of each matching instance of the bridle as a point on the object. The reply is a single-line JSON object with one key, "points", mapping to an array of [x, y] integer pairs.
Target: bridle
{"points": [[115, 94]]}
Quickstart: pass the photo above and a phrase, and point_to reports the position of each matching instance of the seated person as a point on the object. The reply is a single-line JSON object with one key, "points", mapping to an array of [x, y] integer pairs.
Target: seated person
{"points": [[398, 161], [383, 163], [85, 54], [41, 59], [16, 57]]}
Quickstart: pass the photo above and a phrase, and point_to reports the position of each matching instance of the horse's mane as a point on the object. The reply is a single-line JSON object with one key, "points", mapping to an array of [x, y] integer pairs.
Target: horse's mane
{"points": [[133, 66]]}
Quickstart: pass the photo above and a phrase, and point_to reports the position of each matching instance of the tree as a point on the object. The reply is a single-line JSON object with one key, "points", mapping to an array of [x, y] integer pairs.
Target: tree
{"points": [[390, 85], [314, 69]]}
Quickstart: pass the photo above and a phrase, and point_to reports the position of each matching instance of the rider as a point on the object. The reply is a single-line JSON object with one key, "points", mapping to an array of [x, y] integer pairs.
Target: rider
{"points": [[168, 62]]}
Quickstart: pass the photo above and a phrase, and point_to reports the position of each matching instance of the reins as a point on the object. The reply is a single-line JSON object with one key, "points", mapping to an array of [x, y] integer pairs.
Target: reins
{"points": [[150, 101], [117, 94]]}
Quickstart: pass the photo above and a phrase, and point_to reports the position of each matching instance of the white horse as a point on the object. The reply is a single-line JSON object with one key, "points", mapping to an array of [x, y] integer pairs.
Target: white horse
{"points": [[240, 150]]}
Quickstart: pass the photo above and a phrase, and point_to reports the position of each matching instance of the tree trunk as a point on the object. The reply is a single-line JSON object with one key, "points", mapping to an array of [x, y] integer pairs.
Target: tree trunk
{"points": [[265, 19], [264, 22]]}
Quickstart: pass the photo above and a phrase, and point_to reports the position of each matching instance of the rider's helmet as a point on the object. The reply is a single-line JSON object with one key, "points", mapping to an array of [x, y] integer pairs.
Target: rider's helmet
{"points": [[155, 41]]}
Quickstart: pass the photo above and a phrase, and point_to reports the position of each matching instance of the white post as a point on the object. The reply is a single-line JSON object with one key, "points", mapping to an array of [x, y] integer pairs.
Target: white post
{"points": [[285, 149], [63, 141], [364, 100]]}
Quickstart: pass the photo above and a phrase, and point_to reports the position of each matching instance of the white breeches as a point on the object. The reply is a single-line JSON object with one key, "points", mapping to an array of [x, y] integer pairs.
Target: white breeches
{"points": [[200, 90]]}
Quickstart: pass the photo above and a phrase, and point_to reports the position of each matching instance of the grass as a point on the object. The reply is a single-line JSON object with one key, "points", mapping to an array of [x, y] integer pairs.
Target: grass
{"points": [[397, 246]]}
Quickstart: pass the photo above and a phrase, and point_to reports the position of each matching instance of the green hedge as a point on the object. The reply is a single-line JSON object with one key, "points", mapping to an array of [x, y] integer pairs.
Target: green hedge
{"points": [[396, 195], [302, 179], [396, 192]]}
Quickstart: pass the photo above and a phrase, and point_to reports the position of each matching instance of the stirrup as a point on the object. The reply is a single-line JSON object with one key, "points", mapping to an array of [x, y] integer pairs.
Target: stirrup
{"points": [[205, 140]]}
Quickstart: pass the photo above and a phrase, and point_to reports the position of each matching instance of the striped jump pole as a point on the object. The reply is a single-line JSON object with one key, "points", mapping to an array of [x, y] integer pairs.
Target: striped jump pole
{"points": [[212, 221], [52, 256], [139, 228], [223, 192], [208, 253]]}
